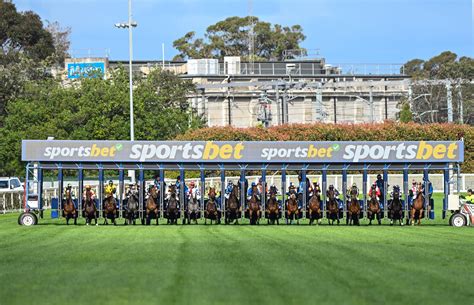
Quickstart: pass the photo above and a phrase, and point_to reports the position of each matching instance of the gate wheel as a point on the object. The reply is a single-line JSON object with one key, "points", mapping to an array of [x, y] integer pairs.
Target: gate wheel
{"points": [[27, 219], [458, 220]]}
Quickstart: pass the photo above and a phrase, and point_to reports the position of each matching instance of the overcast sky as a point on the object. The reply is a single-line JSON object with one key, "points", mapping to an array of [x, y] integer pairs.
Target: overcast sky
{"points": [[345, 31]]}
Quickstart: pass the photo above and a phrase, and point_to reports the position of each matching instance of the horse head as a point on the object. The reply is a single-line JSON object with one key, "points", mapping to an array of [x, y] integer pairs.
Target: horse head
{"points": [[212, 193]]}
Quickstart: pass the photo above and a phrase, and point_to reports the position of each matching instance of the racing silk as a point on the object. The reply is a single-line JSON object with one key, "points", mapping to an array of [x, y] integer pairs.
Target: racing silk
{"points": [[110, 190], [377, 192], [348, 193], [470, 198], [380, 185], [92, 195], [229, 189], [178, 186], [249, 192], [309, 187], [194, 192]]}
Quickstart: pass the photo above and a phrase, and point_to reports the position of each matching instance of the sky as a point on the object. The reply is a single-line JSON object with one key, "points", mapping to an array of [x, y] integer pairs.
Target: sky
{"points": [[344, 31]]}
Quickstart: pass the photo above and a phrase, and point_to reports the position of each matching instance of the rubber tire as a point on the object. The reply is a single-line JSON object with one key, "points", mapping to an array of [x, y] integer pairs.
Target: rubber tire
{"points": [[27, 219], [458, 220]]}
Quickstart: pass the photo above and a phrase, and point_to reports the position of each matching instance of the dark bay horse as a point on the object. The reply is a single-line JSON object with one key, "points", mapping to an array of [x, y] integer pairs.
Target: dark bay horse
{"points": [[211, 207], [172, 206], [395, 208], [292, 209], [354, 208], [314, 209], [110, 210], [69, 209], [373, 209], [152, 209], [332, 207], [131, 208], [232, 206], [254, 209], [417, 205], [272, 208], [192, 209], [90, 210]]}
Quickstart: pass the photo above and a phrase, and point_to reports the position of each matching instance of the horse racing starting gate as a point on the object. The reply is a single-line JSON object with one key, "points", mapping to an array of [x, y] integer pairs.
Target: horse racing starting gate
{"points": [[101, 157]]}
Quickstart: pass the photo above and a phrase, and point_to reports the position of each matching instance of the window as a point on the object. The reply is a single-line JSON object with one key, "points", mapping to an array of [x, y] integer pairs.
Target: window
{"points": [[15, 183], [3, 184]]}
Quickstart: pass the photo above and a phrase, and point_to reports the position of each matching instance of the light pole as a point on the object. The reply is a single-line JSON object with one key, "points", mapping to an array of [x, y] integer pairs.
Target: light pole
{"points": [[130, 24]]}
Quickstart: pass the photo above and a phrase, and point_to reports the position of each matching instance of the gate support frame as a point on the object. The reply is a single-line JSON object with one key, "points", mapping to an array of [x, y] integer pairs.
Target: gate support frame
{"points": [[283, 189], [445, 189], [385, 188], [202, 205], [80, 178], [364, 187], [264, 189], [101, 188], [121, 190], [324, 185], [141, 186], [405, 190]]}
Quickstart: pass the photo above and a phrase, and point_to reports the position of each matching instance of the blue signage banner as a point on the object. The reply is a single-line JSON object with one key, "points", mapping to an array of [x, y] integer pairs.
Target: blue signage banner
{"points": [[85, 69]]}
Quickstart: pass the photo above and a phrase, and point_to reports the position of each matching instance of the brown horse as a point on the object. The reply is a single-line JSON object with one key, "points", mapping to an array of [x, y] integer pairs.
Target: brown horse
{"points": [[211, 211], [172, 206], [332, 207], [152, 209], [90, 210], [110, 209], [69, 210], [314, 209], [232, 206], [354, 208], [417, 205], [272, 208], [373, 210], [254, 209], [292, 209]]}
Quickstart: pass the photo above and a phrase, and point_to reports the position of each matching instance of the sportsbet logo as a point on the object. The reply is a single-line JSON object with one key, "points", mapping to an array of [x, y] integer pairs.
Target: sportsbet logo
{"points": [[82, 151], [188, 151]]}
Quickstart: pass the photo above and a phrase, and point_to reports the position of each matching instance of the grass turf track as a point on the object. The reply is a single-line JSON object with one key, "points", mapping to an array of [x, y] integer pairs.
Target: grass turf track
{"points": [[55, 264]]}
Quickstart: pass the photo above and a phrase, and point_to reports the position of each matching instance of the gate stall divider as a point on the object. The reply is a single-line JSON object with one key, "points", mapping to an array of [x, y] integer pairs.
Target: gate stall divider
{"points": [[101, 188], [80, 178], [283, 189], [446, 189], [162, 190], [305, 188], [40, 190], [427, 192], [344, 190], [60, 190], [121, 190], [264, 189], [141, 193], [364, 187], [222, 195], [242, 191], [324, 185], [182, 187], [202, 205], [406, 191], [385, 189]]}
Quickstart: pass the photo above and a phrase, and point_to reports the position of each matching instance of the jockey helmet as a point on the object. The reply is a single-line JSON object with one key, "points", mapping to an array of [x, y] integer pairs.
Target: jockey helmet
{"points": [[331, 186], [229, 182], [254, 184], [178, 178], [192, 183], [88, 187], [111, 182], [354, 184], [379, 176]]}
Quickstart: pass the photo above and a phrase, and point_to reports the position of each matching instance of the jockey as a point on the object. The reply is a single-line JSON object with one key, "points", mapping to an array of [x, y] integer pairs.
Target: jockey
{"points": [[316, 189], [470, 196], [88, 189], [381, 185], [250, 192], [69, 187], [178, 185], [291, 189], [228, 189], [354, 186], [110, 189], [336, 192], [377, 191], [131, 190], [193, 191]]}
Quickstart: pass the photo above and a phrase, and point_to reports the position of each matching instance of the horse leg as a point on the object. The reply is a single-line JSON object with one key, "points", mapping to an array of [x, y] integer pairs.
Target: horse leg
{"points": [[379, 218], [420, 215], [412, 216]]}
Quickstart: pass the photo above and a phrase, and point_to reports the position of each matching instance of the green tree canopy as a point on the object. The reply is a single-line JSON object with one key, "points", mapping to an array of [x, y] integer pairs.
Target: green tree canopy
{"points": [[230, 37], [96, 109]]}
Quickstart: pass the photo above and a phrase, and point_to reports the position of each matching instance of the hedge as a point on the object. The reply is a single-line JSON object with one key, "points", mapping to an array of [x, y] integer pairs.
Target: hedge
{"points": [[388, 131]]}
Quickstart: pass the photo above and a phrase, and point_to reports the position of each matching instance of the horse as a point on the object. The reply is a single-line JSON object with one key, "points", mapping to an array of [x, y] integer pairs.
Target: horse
{"points": [[110, 209], [211, 207], [69, 210], [90, 210], [417, 205], [254, 209], [232, 206], [151, 206], [373, 209], [395, 208], [292, 209], [332, 207], [192, 209], [314, 209], [172, 206], [354, 208], [131, 208], [272, 208]]}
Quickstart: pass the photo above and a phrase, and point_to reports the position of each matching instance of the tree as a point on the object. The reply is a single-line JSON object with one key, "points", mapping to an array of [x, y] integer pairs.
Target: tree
{"points": [[230, 37], [406, 115], [95, 109], [61, 42]]}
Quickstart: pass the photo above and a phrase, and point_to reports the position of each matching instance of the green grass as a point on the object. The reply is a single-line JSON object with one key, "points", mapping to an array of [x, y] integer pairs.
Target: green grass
{"points": [[54, 264]]}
